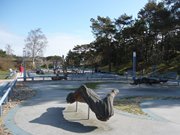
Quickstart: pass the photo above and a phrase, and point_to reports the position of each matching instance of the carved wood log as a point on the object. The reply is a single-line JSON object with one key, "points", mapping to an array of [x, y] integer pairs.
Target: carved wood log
{"points": [[103, 108]]}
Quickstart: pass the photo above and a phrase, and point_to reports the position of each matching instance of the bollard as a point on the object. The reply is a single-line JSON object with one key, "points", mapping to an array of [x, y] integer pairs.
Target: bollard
{"points": [[88, 112], [0, 110], [76, 106]]}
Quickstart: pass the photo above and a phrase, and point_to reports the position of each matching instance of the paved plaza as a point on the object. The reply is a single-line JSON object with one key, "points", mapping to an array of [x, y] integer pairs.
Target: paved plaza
{"points": [[48, 113]]}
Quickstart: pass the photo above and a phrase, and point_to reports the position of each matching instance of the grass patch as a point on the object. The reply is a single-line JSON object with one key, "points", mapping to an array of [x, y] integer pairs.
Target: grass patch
{"points": [[3, 74], [92, 85], [132, 104]]}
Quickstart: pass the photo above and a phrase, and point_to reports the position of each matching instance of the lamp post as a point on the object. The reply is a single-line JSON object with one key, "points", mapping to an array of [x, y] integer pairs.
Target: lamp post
{"points": [[24, 63], [134, 65]]}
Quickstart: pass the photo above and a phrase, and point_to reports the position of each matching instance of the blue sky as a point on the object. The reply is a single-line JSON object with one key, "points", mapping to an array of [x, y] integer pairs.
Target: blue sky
{"points": [[65, 23]]}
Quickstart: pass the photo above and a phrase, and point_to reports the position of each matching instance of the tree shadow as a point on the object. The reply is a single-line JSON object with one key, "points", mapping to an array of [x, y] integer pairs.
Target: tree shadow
{"points": [[54, 117]]}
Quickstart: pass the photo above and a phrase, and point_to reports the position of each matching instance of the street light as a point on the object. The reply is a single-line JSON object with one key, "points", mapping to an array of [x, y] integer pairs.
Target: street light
{"points": [[24, 63], [134, 65]]}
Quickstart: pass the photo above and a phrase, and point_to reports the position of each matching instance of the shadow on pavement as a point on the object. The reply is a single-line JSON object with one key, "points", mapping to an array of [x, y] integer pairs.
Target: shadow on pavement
{"points": [[54, 117]]}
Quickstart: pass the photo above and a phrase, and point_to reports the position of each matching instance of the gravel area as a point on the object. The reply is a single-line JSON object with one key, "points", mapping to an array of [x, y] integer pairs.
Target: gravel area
{"points": [[20, 93]]}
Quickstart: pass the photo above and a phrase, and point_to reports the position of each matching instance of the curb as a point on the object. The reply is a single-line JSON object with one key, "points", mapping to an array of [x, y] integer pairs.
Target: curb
{"points": [[144, 107], [10, 123]]}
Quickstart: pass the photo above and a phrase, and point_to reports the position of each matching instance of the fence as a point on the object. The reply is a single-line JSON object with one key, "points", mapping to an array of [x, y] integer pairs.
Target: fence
{"points": [[5, 97]]}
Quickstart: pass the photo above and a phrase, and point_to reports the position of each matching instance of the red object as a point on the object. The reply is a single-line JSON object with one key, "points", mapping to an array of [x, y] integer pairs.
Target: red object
{"points": [[21, 69]]}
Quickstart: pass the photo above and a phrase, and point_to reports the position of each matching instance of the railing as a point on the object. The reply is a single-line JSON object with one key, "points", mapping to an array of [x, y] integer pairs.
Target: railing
{"points": [[5, 97], [33, 78]]}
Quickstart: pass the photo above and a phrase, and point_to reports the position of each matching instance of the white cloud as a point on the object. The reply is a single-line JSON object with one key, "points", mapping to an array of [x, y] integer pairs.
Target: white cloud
{"points": [[58, 43], [16, 42]]}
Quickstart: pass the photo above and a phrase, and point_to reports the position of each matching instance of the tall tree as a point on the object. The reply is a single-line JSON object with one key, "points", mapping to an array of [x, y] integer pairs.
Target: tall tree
{"points": [[73, 59], [9, 50], [155, 35], [152, 20], [104, 28], [123, 35], [36, 43], [2, 53]]}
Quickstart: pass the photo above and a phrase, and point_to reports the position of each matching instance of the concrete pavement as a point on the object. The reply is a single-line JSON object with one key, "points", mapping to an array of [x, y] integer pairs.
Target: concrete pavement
{"points": [[47, 113], [167, 110]]}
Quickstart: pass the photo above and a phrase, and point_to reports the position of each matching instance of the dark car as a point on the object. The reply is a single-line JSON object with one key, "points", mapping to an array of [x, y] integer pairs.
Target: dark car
{"points": [[39, 71]]}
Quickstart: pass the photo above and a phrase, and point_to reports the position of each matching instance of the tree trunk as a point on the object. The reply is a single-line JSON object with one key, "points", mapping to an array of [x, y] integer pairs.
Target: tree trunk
{"points": [[109, 56], [33, 63]]}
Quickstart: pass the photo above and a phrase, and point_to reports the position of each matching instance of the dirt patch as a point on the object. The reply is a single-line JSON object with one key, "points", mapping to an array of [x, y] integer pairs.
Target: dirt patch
{"points": [[20, 93]]}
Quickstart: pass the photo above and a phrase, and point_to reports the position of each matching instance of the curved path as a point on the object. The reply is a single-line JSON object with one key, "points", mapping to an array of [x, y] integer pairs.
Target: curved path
{"points": [[48, 114]]}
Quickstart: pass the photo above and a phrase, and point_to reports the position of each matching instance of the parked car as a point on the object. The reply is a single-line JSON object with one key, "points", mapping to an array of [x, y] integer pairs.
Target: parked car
{"points": [[39, 71]]}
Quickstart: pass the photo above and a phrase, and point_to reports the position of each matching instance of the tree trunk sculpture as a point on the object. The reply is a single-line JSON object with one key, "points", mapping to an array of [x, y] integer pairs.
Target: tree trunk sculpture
{"points": [[103, 108]]}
